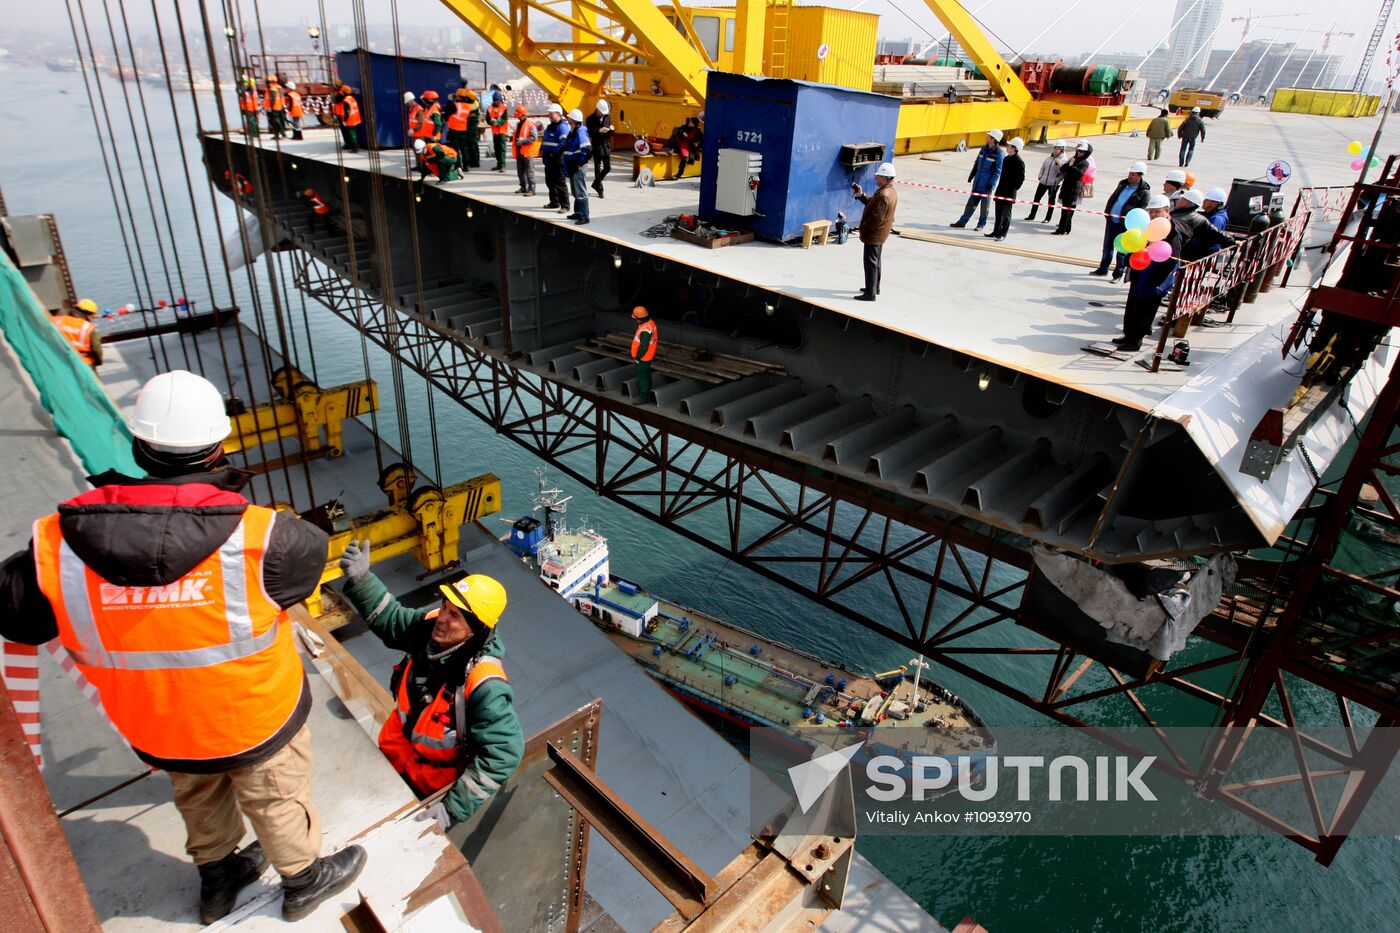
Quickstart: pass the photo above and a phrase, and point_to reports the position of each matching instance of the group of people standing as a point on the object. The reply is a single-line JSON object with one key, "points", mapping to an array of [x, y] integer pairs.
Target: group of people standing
{"points": [[282, 103], [998, 174]]}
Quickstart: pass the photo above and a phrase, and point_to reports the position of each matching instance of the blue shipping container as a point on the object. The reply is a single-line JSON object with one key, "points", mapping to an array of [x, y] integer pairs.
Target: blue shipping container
{"points": [[798, 128], [387, 127]]}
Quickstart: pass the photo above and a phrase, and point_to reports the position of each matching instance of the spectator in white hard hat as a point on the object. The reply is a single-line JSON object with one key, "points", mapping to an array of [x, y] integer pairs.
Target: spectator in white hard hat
{"points": [[600, 133], [1132, 192], [1214, 208], [1174, 184], [1199, 237], [577, 151], [1048, 182], [552, 154], [1192, 129], [1071, 185], [1147, 287], [986, 172], [1013, 176], [876, 223]]}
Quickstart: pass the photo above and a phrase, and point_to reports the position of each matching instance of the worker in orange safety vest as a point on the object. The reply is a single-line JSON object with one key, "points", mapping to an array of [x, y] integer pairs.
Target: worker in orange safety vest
{"points": [[347, 115], [249, 105], [415, 117], [526, 141], [275, 103], [430, 120], [80, 330], [170, 594], [498, 118], [644, 343], [454, 724], [295, 111], [463, 127]]}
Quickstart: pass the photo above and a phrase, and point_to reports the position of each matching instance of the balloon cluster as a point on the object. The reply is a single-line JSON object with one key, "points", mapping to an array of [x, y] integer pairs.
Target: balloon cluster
{"points": [[1145, 238], [1362, 153]]}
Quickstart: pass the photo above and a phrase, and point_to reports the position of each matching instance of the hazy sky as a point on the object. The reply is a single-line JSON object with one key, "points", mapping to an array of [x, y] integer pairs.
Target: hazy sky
{"points": [[1066, 26]]}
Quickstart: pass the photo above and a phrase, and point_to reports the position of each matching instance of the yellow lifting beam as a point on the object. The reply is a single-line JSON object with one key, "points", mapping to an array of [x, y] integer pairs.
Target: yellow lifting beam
{"points": [[426, 522], [304, 411]]}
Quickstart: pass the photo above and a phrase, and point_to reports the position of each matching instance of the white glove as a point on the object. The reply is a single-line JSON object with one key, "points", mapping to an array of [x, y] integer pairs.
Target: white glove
{"points": [[354, 561]]}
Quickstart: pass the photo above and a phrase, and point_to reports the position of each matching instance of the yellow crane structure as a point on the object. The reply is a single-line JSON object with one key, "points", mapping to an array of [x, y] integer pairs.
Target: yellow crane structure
{"points": [[651, 61]]}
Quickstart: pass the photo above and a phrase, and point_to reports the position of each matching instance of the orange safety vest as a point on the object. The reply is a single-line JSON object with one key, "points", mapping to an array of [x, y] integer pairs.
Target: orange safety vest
{"points": [[201, 669], [248, 102], [348, 110], [650, 328], [294, 104], [78, 332], [272, 100], [317, 204], [495, 112], [427, 127], [429, 752], [531, 149], [460, 114], [415, 118]]}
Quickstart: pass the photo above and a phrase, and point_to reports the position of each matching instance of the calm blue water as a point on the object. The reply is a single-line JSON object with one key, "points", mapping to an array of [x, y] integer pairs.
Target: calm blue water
{"points": [[1008, 885]]}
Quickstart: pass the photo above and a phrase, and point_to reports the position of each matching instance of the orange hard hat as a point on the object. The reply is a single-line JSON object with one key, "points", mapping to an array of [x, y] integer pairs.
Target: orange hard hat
{"points": [[1190, 180], [639, 313], [521, 111], [309, 192], [430, 95]]}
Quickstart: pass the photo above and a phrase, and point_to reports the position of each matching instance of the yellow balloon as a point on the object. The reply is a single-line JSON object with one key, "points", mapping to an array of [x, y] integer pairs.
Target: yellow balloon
{"points": [[1158, 229], [1134, 240], [1354, 147]]}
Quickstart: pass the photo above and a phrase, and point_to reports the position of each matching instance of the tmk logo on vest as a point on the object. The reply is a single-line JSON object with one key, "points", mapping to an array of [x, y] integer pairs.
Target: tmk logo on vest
{"points": [[187, 593]]}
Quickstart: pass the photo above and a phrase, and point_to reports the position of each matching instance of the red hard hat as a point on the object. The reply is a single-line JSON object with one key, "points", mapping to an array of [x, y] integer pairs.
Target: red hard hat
{"points": [[430, 95], [639, 312], [521, 111]]}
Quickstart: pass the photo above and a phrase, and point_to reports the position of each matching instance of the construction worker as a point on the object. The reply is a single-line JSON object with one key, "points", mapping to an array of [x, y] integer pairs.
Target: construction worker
{"points": [[1048, 182], [525, 145], [80, 330], [430, 120], [275, 103], [415, 116], [576, 156], [1214, 208], [876, 223], [986, 172], [295, 110], [170, 593], [600, 130], [1191, 130], [473, 151], [1174, 184], [248, 105], [320, 211], [238, 184], [456, 725], [1132, 192], [644, 343], [499, 120], [346, 110], [462, 127], [1013, 176], [552, 151], [1148, 287], [1158, 130], [1198, 236], [437, 160]]}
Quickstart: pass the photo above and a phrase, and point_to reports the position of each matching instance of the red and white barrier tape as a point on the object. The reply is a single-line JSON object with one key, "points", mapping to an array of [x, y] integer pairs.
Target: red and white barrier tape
{"points": [[998, 197], [21, 674]]}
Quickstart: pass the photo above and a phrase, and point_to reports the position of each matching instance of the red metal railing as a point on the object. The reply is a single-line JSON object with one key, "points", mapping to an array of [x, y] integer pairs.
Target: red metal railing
{"points": [[1230, 276], [1327, 203]]}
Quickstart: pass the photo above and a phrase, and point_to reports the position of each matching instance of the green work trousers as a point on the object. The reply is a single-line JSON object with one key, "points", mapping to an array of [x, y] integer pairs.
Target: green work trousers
{"points": [[473, 150], [250, 124], [462, 141], [499, 140], [643, 382]]}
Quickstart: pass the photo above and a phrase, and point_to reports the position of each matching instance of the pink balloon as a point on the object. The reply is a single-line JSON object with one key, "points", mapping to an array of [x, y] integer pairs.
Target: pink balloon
{"points": [[1356, 165], [1140, 259], [1159, 251], [1158, 229]]}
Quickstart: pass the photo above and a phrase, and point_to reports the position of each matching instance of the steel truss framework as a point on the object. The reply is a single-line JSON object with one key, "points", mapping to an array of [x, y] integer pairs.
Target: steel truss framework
{"points": [[955, 589]]}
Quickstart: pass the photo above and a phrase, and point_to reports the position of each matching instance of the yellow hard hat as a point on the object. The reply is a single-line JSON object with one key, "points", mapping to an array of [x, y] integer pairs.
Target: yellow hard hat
{"points": [[88, 305], [478, 594]]}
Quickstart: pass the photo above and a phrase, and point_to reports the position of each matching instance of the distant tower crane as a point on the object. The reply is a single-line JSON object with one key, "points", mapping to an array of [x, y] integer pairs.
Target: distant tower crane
{"points": [[1364, 72], [1249, 18]]}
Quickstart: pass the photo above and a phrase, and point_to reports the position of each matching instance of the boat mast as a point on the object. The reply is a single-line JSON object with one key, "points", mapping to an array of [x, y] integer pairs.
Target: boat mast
{"points": [[918, 664], [551, 501]]}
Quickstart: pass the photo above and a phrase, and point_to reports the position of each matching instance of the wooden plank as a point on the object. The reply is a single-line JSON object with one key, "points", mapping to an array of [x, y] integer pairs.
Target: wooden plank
{"points": [[980, 243], [666, 369], [691, 354]]}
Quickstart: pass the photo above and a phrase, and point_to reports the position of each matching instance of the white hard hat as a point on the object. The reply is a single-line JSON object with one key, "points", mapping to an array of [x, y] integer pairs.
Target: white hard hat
{"points": [[1217, 195], [604, 107], [555, 108], [576, 115], [995, 134], [418, 145], [179, 411], [1176, 176], [1192, 195], [408, 97], [1158, 201], [1138, 167], [1057, 144], [1195, 109], [1081, 146], [1017, 143], [886, 170]]}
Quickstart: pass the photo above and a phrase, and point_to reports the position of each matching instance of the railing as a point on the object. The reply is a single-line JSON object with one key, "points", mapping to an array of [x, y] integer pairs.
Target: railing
{"points": [[1327, 203], [1230, 276], [295, 68]]}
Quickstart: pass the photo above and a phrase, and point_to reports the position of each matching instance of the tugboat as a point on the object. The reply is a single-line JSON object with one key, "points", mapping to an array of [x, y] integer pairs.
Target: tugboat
{"points": [[735, 678]]}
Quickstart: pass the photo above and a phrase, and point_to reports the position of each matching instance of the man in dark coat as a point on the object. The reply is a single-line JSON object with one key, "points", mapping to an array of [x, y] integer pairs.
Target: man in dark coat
{"points": [[1013, 176], [1131, 192], [1190, 130], [876, 223]]}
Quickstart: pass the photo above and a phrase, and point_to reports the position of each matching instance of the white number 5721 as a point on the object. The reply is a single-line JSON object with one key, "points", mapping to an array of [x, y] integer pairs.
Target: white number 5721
{"points": [[749, 136]]}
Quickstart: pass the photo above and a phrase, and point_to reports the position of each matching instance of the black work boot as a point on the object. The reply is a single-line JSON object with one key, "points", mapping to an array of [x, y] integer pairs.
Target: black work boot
{"points": [[220, 882], [328, 875]]}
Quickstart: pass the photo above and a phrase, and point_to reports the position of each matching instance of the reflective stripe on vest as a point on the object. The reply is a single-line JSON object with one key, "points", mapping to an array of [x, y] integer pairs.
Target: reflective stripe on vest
{"points": [[350, 111], [78, 332], [427, 126], [648, 327], [415, 117], [272, 100], [530, 149], [318, 205], [495, 112], [248, 102], [423, 734], [460, 114]]}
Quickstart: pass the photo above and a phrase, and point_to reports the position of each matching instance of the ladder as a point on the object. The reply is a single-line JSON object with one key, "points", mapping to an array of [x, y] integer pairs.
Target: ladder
{"points": [[1377, 34], [778, 38]]}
